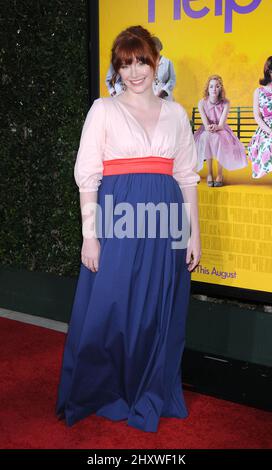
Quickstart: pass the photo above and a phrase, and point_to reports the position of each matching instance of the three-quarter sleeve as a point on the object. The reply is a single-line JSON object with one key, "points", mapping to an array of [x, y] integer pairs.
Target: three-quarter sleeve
{"points": [[185, 162], [88, 169]]}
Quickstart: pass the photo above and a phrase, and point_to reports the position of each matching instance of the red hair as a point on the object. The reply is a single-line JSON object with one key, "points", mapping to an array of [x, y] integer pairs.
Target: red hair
{"points": [[134, 41]]}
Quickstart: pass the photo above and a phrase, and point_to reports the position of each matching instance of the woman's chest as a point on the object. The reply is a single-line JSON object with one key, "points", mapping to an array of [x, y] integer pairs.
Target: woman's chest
{"points": [[153, 133]]}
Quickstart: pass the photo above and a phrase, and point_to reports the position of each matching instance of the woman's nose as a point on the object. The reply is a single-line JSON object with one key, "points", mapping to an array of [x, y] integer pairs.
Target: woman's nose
{"points": [[133, 71]]}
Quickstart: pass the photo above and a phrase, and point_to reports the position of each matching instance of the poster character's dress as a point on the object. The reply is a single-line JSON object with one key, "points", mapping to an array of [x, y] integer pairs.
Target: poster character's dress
{"points": [[222, 145], [126, 335], [260, 146]]}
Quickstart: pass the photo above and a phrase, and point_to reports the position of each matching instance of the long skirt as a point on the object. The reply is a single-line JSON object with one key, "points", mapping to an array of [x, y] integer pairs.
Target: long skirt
{"points": [[122, 357]]}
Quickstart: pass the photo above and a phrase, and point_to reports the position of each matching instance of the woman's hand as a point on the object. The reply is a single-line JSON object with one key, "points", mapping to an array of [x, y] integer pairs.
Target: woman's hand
{"points": [[210, 127], [90, 253], [218, 127], [193, 252], [215, 128]]}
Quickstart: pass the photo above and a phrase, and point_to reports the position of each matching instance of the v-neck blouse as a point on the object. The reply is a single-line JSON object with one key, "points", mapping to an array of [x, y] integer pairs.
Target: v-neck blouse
{"points": [[138, 123], [111, 132]]}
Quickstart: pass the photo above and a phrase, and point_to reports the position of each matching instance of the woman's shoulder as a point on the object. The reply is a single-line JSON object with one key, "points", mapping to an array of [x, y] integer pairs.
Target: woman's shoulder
{"points": [[99, 108], [257, 91], [97, 104], [102, 101], [263, 89], [102, 105], [225, 102], [202, 102], [109, 102]]}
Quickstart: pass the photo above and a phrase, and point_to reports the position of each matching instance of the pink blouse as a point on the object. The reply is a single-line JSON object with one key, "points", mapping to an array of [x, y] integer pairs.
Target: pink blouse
{"points": [[110, 131]]}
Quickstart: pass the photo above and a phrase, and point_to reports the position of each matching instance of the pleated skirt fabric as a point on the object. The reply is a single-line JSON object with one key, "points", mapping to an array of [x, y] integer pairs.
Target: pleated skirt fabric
{"points": [[123, 351]]}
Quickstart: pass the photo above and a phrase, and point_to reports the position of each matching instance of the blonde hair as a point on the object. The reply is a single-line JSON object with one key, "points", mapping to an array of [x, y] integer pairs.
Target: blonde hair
{"points": [[222, 94]]}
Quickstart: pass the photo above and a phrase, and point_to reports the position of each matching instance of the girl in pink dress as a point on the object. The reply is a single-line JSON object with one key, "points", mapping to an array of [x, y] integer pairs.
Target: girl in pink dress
{"points": [[215, 139], [260, 147]]}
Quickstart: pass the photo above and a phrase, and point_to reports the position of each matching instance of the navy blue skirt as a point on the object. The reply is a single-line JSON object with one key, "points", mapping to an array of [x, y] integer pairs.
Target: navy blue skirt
{"points": [[122, 357]]}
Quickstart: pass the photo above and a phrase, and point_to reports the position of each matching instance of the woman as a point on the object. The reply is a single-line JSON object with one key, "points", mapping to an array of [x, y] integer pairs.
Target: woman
{"points": [[260, 147], [126, 334], [215, 139], [163, 84]]}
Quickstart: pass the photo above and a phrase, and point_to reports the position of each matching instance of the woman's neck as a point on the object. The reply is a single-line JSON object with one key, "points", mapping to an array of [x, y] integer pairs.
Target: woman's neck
{"points": [[141, 100], [216, 101]]}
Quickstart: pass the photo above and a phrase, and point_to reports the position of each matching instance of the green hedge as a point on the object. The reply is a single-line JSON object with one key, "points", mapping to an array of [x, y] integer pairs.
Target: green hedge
{"points": [[44, 96]]}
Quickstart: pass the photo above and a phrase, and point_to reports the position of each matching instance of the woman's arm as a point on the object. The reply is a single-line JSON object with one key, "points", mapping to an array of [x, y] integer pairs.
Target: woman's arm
{"points": [[203, 115], [90, 250], [194, 246], [88, 172], [184, 171], [223, 117], [257, 114]]}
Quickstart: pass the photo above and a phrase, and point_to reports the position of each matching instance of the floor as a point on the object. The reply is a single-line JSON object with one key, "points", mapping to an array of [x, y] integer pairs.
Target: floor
{"points": [[34, 320]]}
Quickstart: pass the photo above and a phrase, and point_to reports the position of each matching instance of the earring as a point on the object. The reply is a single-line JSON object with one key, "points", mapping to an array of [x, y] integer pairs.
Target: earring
{"points": [[123, 85], [156, 80]]}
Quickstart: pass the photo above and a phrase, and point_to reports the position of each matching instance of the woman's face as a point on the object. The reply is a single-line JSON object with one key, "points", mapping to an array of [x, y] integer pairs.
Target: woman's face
{"points": [[214, 89], [137, 76]]}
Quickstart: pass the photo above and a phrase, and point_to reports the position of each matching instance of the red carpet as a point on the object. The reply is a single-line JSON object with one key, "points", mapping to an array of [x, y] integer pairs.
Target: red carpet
{"points": [[30, 365]]}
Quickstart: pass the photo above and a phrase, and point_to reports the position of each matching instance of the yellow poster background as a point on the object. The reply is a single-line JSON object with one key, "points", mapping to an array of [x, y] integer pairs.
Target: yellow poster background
{"points": [[236, 220]]}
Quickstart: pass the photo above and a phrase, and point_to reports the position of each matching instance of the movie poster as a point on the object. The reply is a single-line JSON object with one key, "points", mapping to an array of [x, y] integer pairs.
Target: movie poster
{"points": [[228, 38]]}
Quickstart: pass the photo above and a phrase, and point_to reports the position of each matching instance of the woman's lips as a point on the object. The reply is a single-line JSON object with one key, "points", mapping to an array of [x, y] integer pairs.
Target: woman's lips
{"points": [[137, 82]]}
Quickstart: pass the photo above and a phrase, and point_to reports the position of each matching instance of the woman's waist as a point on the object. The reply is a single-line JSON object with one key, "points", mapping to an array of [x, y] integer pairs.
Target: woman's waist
{"points": [[150, 164]]}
